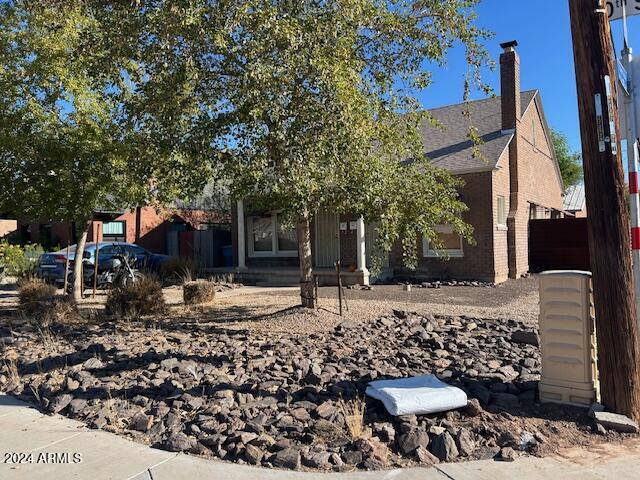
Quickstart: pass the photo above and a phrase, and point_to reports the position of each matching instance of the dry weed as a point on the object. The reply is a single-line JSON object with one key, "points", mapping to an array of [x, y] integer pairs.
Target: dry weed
{"points": [[11, 369], [48, 338], [142, 297], [200, 291], [353, 413]]}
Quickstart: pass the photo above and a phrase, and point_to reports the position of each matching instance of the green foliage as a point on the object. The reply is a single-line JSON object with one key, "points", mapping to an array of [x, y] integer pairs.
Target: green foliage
{"points": [[570, 162], [19, 261], [71, 141], [299, 105]]}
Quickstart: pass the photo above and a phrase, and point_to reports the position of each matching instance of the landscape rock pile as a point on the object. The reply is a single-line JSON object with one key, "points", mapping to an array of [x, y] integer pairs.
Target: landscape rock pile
{"points": [[274, 400]]}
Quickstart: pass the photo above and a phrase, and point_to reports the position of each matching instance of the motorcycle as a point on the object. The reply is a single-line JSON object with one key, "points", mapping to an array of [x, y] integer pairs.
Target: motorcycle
{"points": [[120, 272]]}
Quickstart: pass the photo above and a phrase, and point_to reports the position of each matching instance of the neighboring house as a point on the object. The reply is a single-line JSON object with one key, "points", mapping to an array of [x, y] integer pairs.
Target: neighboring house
{"points": [[7, 226], [145, 226], [574, 201], [516, 178]]}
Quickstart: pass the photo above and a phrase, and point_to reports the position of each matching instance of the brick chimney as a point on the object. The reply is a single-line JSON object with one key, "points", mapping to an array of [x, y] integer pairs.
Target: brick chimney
{"points": [[510, 86]]}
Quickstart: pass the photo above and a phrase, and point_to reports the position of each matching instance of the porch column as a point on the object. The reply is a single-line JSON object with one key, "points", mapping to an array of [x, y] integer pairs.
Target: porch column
{"points": [[361, 253], [241, 236]]}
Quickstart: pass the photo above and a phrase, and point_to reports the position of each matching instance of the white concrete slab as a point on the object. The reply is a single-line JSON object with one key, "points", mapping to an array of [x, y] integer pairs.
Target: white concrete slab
{"points": [[107, 456], [184, 466], [29, 429]]}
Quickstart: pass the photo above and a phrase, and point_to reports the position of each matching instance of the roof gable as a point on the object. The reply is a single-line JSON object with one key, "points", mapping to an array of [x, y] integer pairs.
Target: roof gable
{"points": [[450, 148]]}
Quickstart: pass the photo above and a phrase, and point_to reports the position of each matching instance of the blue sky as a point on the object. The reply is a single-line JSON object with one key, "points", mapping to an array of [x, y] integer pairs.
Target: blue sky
{"points": [[543, 32]]}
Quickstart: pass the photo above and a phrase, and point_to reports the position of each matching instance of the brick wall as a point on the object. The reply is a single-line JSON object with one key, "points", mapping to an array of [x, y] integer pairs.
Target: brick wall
{"points": [[500, 188], [536, 182], [154, 226], [539, 180], [477, 262]]}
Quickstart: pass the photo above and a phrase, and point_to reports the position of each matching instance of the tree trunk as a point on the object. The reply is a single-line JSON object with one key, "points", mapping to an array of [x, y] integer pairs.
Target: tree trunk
{"points": [[303, 229], [78, 261], [608, 220]]}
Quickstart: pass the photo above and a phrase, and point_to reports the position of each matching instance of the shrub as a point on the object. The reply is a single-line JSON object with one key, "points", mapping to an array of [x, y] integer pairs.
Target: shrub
{"points": [[200, 291], [177, 270], [19, 261], [142, 297], [35, 296], [39, 302]]}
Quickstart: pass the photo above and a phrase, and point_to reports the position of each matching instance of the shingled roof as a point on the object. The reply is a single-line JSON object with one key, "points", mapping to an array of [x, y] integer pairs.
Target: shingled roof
{"points": [[451, 149]]}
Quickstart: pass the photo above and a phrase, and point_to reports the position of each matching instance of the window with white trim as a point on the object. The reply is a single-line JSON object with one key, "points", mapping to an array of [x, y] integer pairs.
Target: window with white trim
{"points": [[502, 211], [114, 231], [450, 243], [268, 238]]}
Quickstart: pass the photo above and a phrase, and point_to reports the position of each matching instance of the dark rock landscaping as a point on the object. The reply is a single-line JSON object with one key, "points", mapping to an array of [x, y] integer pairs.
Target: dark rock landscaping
{"points": [[278, 400]]}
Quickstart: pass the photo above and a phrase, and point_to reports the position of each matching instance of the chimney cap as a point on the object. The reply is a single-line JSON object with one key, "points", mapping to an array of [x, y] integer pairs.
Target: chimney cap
{"points": [[508, 46]]}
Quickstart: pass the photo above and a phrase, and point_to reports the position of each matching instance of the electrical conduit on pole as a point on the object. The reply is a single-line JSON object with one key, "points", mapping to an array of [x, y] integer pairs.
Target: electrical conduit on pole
{"points": [[632, 160]]}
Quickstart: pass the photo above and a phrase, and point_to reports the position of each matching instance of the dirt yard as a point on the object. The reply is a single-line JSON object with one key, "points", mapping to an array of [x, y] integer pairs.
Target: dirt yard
{"points": [[275, 310]]}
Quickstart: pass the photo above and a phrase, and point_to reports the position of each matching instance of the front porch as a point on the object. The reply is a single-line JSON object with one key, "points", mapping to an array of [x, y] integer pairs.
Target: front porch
{"points": [[266, 252], [287, 276]]}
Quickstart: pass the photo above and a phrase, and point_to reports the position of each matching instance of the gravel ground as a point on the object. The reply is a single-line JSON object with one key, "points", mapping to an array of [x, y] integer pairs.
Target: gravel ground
{"points": [[513, 299], [252, 377], [275, 400], [276, 310]]}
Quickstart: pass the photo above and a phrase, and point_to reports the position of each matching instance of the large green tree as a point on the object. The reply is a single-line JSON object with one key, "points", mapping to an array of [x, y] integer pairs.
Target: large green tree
{"points": [[308, 105], [59, 153], [570, 162], [297, 105], [68, 146]]}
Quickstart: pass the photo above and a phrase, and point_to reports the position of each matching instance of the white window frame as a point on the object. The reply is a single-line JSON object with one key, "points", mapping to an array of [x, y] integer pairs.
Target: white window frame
{"points": [[501, 222], [428, 252], [274, 252]]}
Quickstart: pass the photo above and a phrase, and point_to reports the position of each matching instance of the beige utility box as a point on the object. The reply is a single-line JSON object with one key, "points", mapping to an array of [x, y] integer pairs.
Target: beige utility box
{"points": [[567, 338]]}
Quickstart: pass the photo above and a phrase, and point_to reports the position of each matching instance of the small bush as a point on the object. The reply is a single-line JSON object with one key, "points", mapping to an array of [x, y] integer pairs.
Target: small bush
{"points": [[63, 311], [19, 261], [177, 270], [39, 302], [35, 297], [142, 297], [200, 291]]}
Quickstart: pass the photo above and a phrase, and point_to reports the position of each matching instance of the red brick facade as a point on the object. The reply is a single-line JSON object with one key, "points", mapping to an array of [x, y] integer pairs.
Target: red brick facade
{"points": [[153, 227], [527, 177]]}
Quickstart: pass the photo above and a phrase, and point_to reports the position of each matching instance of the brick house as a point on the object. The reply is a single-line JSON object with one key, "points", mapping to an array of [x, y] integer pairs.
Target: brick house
{"points": [[516, 178], [145, 226]]}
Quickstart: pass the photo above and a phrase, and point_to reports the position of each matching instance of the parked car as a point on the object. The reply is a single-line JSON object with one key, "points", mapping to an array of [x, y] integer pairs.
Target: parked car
{"points": [[51, 265]]}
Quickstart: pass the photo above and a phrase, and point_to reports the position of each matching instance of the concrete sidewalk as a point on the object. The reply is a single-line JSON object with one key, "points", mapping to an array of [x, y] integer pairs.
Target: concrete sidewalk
{"points": [[107, 456]]}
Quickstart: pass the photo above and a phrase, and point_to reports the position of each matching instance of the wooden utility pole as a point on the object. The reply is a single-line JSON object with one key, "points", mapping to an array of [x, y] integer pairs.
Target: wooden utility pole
{"points": [[608, 219]]}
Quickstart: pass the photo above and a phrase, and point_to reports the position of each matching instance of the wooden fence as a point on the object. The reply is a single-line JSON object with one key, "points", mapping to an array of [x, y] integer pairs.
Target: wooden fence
{"points": [[204, 247], [558, 244]]}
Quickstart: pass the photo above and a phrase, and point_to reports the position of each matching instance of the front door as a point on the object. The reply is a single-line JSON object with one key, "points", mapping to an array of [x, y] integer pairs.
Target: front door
{"points": [[327, 239]]}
